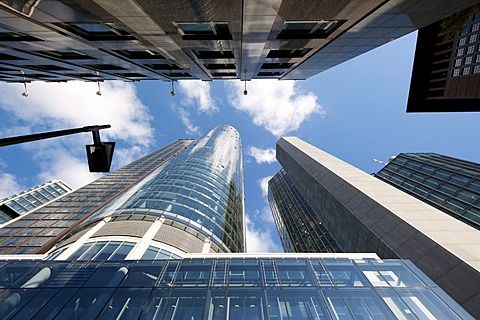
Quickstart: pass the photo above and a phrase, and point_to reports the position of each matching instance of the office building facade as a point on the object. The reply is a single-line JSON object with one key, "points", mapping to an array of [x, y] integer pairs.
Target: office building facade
{"points": [[446, 69], [22, 202], [98, 40], [299, 229], [364, 214], [162, 238], [224, 286], [448, 184], [185, 197]]}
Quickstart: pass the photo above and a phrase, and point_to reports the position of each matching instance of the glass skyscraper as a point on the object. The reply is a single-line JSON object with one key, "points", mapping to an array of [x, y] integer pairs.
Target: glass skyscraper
{"points": [[299, 229], [163, 238], [28, 200], [448, 184]]}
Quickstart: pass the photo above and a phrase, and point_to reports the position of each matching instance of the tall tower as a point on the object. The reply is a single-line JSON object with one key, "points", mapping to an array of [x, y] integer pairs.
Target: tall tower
{"points": [[300, 230], [162, 238], [448, 184], [364, 214], [186, 197]]}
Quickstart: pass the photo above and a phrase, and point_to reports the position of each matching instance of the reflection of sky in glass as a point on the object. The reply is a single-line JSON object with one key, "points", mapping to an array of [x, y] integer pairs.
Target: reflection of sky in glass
{"points": [[202, 187]]}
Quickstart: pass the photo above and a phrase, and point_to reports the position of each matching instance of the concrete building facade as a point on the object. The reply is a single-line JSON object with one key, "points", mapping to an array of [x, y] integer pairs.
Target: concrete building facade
{"points": [[364, 214]]}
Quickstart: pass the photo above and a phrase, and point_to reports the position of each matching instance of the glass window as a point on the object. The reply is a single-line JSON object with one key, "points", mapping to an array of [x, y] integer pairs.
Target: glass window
{"points": [[468, 196], [45, 306], [458, 62], [364, 303], [475, 26], [455, 72], [185, 304], [465, 71], [437, 197], [335, 303], [454, 205], [470, 49], [85, 304], [196, 28], [321, 274], [468, 60], [345, 273], [476, 69], [424, 304], [193, 273], [126, 303], [304, 304], [396, 304], [473, 214], [396, 274], [460, 52], [245, 304], [472, 38], [217, 305], [462, 41], [293, 273]]}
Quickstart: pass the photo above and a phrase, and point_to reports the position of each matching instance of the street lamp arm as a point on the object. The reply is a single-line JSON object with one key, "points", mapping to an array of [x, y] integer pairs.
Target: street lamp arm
{"points": [[46, 135]]}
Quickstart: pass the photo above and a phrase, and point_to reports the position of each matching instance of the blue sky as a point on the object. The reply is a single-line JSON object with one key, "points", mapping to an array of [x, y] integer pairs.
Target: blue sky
{"points": [[355, 111]]}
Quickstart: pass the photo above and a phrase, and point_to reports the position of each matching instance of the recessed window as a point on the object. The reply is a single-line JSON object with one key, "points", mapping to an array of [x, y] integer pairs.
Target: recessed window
{"points": [[465, 71], [224, 74], [214, 54], [468, 60], [296, 53], [104, 67], [477, 58], [204, 30], [220, 66], [476, 69], [470, 49], [460, 52], [472, 38], [66, 55], [164, 66], [130, 75], [462, 41], [9, 35], [308, 29], [269, 74], [276, 65], [37, 75], [140, 54], [82, 75], [97, 31], [47, 67], [458, 62], [4, 56], [475, 26], [178, 75], [6, 69]]}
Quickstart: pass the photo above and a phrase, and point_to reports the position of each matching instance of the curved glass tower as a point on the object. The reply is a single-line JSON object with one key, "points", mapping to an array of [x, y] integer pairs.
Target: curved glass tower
{"points": [[192, 203]]}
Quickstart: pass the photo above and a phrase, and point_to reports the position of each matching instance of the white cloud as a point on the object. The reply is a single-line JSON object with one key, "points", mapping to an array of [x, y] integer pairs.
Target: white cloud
{"points": [[190, 128], [263, 183], [259, 240], [278, 106], [54, 106], [262, 155], [198, 93], [8, 185]]}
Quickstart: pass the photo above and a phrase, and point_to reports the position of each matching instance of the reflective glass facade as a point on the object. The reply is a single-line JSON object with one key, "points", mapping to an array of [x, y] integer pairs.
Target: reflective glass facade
{"points": [[201, 188], [28, 200], [222, 287], [38, 231], [450, 185], [299, 228]]}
